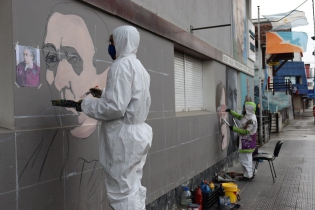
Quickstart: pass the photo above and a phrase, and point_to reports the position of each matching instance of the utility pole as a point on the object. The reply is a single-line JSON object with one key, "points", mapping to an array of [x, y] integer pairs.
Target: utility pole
{"points": [[314, 67], [314, 88], [259, 79]]}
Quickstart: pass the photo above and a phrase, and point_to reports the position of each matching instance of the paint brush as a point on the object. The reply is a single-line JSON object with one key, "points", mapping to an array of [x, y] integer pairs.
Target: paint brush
{"points": [[226, 122]]}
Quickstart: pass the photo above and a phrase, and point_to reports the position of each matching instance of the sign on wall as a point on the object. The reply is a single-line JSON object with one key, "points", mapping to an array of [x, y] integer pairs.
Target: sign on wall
{"points": [[237, 65], [251, 41]]}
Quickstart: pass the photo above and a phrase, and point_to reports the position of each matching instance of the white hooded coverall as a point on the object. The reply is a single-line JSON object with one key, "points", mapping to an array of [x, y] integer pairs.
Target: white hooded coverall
{"points": [[124, 137], [247, 137], [246, 158]]}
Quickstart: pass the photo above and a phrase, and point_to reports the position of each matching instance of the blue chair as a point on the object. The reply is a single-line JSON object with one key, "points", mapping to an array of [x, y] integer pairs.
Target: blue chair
{"points": [[269, 158]]}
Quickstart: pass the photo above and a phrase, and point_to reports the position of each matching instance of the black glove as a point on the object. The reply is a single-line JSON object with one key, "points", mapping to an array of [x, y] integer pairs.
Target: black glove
{"points": [[231, 127], [96, 92], [78, 107], [227, 110]]}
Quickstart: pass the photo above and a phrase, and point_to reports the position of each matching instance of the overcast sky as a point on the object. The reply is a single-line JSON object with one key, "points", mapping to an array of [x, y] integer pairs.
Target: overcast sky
{"points": [[268, 7]]}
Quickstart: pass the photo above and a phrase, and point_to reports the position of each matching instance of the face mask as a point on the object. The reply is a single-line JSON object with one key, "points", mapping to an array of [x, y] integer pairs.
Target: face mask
{"points": [[112, 51]]}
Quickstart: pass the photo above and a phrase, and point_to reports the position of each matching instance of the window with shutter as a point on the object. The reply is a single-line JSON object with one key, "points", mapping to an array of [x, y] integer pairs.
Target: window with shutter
{"points": [[189, 84]]}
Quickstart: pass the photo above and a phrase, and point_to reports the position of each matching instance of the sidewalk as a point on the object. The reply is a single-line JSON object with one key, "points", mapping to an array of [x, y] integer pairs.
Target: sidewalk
{"points": [[295, 169]]}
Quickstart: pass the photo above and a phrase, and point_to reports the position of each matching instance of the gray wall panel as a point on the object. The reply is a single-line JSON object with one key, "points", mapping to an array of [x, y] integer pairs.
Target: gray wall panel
{"points": [[185, 129], [171, 132], [186, 160], [8, 200], [42, 196], [7, 163], [201, 14], [158, 128], [172, 160], [7, 66], [84, 191], [39, 156], [157, 172]]}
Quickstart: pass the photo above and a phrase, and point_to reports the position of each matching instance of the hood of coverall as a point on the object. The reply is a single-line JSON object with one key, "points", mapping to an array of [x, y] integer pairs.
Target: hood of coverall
{"points": [[250, 108], [126, 40]]}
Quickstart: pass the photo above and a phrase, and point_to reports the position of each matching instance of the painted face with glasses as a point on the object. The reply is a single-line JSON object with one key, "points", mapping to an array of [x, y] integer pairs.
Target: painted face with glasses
{"points": [[221, 107], [68, 52]]}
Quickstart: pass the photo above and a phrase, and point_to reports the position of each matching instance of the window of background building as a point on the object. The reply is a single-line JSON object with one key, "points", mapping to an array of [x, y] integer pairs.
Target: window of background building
{"points": [[291, 78], [189, 83], [299, 80]]}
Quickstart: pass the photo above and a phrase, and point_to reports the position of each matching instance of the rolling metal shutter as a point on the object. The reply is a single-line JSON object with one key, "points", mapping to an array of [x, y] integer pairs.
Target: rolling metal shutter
{"points": [[189, 94], [179, 68], [194, 84]]}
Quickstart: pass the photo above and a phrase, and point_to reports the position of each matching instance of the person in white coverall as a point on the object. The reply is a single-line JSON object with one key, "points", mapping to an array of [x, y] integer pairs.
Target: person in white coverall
{"points": [[247, 138], [123, 107]]}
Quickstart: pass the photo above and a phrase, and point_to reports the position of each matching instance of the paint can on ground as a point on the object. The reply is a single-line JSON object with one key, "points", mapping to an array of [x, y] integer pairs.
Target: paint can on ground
{"points": [[194, 206], [231, 190]]}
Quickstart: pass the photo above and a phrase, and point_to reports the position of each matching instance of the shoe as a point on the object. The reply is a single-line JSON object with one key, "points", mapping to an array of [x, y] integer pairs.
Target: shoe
{"points": [[245, 179]]}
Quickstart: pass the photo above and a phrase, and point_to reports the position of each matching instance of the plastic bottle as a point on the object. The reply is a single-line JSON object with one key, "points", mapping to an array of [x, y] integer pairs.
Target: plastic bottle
{"points": [[212, 187], [227, 201], [198, 196], [204, 188], [185, 198]]}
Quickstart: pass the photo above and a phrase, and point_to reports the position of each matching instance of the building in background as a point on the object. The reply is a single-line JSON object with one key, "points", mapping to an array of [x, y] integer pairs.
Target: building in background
{"points": [[284, 79]]}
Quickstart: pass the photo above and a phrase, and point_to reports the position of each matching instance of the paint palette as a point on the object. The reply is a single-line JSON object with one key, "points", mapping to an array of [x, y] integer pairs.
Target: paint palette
{"points": [[64, 103]]}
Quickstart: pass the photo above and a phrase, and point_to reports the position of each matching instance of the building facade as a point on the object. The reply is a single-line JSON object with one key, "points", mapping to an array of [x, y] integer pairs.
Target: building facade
{"points": [[57, 49]]}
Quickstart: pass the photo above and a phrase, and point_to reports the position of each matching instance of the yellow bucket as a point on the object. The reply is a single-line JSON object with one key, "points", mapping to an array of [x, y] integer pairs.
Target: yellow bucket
{"points": [[231, 190]]}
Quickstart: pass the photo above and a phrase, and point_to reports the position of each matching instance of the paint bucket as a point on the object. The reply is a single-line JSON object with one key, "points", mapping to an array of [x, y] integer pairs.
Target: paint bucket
{"points": [[231, 190], [194, 206]]}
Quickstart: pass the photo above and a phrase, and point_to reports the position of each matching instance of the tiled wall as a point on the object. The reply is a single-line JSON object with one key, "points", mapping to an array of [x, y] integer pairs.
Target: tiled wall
{"points": [[50, 167]]}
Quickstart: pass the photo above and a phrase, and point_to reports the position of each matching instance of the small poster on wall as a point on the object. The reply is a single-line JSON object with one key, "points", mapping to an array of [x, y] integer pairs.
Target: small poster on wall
{"points": [[27, 66]]}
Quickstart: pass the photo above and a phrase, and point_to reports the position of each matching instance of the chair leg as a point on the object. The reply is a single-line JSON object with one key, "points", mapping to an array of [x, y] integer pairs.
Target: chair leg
{"points": [[273, 169], [256, 165], [271, 172]]}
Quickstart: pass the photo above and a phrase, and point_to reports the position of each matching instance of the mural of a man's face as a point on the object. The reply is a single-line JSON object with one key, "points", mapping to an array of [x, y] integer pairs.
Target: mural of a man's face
{"points": [[232, 89], [222, 115], [69, 51], [28, 57]]}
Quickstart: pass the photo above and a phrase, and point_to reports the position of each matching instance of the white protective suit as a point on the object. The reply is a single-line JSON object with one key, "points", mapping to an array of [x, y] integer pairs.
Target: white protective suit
{"points": [[247, 137], [124, 137], [246, 158]]}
